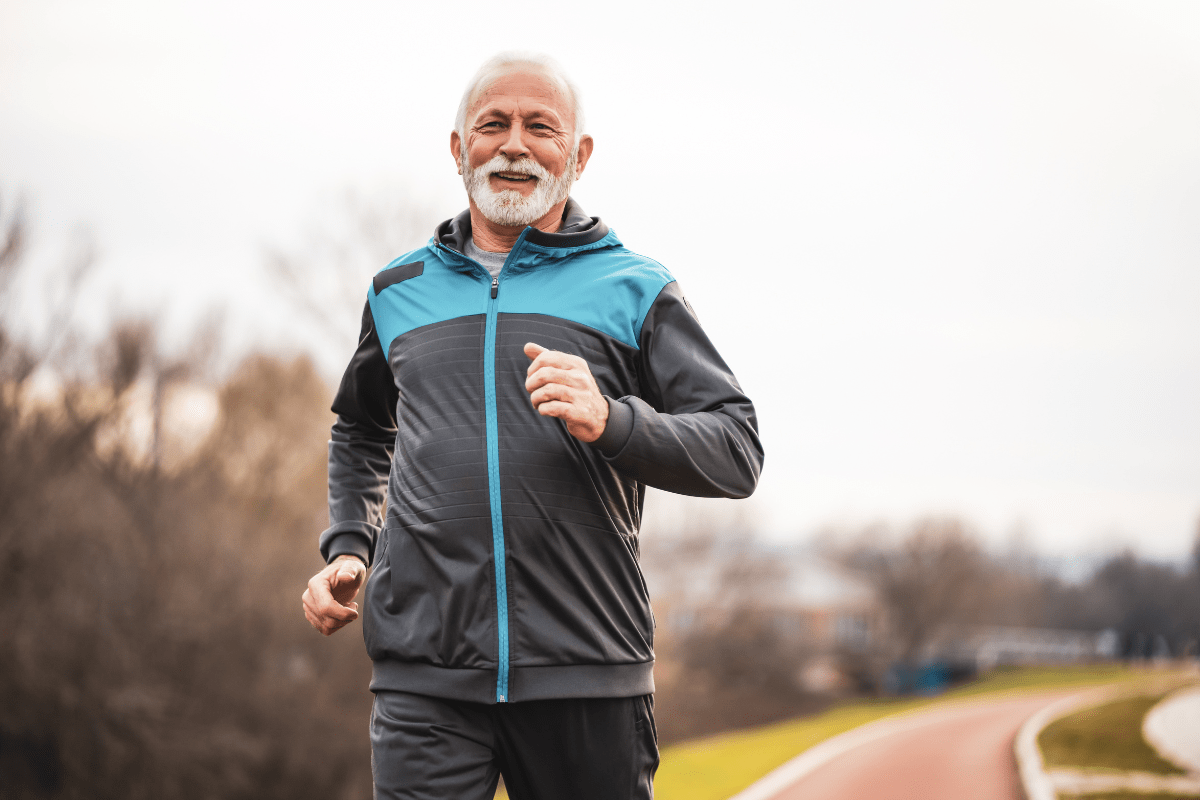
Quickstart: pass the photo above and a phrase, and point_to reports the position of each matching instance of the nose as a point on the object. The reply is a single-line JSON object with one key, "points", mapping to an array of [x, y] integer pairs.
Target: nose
{"points": [[514, 145]]}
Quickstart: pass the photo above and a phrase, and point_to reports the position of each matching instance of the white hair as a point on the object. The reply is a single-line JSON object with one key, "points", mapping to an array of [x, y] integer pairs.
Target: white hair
{"points": [[502, 64]]}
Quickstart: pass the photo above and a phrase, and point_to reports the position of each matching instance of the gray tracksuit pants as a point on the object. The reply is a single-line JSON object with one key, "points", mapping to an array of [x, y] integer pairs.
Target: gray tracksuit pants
{"points": [[428, 748]]}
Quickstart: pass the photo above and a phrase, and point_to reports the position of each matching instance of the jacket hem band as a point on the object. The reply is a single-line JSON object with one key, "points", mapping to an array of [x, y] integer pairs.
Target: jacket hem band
{"points": [[524, 683]]}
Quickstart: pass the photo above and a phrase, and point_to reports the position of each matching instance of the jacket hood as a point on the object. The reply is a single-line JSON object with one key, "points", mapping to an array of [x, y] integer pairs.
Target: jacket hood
{"points": [[578, 230]]}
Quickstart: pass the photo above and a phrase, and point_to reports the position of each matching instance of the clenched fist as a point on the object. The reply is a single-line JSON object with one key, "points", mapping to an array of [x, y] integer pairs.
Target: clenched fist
{"points": [[328, 600], [561, 385]]}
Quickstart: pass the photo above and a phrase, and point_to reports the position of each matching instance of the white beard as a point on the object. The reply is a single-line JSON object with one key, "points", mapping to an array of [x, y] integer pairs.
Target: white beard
{"points": [[509, 207]]}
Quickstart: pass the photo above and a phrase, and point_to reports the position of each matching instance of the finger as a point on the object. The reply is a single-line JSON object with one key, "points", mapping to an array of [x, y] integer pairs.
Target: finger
{"points": [[555, 358], [557, 408], [326, 625], [547, 375], [332, 609], [533, 350], [348, 572], [337, 576], [319, 625], [552, 391], [340, 613], [538, 361], [319, 588], [306, 600], [315, 621]]}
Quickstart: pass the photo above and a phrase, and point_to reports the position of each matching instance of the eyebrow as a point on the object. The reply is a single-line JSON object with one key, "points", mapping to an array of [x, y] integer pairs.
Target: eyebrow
{"points": [[543, 113]]}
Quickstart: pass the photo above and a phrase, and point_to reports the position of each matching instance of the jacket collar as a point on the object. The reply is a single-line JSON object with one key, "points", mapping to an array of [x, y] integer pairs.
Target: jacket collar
{"points": [[578, 230]]}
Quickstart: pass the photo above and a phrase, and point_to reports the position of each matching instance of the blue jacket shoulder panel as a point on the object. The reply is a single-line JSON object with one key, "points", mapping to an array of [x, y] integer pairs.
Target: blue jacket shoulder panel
{"points": [[419, 289], [609, 289]]}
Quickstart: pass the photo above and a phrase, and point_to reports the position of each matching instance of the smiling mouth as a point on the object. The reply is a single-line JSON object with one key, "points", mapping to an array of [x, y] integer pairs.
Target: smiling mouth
{"points": [[518, 177]]}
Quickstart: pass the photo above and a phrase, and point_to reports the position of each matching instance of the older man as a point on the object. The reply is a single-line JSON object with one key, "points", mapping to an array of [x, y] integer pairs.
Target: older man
{"points": [[518, 383]]}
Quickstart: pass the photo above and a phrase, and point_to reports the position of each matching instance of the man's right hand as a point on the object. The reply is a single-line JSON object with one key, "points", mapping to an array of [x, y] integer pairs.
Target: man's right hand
{"points": [[328, 600]]}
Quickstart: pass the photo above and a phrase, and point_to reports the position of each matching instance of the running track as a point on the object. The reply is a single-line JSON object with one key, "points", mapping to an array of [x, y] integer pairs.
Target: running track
{"points": [[964, 752]]}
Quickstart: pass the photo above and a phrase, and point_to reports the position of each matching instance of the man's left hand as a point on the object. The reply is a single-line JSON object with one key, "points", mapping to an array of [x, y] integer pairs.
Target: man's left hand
{"points": [[561, 385]]}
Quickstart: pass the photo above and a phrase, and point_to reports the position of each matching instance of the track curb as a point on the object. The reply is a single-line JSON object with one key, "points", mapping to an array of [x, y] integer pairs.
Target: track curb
{"points": [[1038, 784], [1035, 782]]}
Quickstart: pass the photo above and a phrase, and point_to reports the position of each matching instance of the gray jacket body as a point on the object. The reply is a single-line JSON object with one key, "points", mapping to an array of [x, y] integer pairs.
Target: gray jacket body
{"points": [[506, 565]]}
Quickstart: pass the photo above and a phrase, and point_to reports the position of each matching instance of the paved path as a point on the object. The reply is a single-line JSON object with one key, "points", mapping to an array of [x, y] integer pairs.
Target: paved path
{"points": [[959, 752]]}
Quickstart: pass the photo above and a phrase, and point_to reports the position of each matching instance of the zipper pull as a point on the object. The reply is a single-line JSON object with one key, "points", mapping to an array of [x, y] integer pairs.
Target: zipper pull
{"points": [[495, 287]]}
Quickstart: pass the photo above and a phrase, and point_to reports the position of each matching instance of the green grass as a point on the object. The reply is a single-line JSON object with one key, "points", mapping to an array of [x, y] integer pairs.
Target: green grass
{"points": [[720, 766], [717, 767], [1024, 678], [1105, 737]]}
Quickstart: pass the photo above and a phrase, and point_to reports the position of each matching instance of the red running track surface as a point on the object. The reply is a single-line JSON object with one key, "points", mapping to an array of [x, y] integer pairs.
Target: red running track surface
{"points": [[958, 753]]}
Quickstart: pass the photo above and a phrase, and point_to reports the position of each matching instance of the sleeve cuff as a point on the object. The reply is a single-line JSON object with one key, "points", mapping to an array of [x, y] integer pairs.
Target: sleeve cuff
{"points": [[349, 539], [348, 544], [616, 430]]}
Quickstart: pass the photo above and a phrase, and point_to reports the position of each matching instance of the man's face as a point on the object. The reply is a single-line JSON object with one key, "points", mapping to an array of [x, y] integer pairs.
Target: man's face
{"points": [[518, 159]]}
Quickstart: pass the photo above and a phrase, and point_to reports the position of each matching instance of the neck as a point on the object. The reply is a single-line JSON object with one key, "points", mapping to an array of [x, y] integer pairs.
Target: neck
{"points": [[501, 238]]}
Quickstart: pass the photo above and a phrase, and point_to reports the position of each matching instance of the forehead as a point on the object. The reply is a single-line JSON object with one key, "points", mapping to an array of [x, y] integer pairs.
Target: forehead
{"points": [[525, 89]]}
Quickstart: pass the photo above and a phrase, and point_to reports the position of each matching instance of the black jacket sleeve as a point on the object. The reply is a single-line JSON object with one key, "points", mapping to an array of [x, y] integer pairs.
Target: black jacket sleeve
{"points": [[693, 431], [360, 449]]}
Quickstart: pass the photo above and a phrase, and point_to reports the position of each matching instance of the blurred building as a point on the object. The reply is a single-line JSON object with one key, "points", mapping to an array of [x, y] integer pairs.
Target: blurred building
{"points": [[987, 647], [838, 631]]}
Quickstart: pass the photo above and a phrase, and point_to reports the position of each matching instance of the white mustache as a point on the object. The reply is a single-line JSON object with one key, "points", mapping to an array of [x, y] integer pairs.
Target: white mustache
{"points": [[523, 166]]}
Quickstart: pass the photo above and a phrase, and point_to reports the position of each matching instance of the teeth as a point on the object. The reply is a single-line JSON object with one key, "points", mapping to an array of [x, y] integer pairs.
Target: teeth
{"points": [[514, 176]]}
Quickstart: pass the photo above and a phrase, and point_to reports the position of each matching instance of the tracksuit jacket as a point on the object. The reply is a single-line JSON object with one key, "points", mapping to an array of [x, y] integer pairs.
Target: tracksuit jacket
{"points": [[507, 566]]}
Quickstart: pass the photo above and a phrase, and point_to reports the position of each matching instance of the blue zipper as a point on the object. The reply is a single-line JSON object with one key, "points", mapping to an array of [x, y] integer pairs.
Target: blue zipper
{"points": [[493, 463]]}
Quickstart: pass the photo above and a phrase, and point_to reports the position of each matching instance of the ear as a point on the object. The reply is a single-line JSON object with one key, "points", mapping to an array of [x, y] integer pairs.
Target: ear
{"points": [[586, 143], [456, 150]]}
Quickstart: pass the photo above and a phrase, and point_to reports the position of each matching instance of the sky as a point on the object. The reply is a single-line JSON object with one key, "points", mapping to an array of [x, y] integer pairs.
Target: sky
{"points": [[951, 250]]}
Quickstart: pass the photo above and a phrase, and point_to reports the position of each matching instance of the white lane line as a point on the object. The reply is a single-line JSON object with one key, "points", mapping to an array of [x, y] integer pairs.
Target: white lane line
{"points": [[1072, 781]]}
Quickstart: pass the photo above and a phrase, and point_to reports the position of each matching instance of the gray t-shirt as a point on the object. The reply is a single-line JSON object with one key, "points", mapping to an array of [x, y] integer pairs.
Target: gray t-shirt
{"points": [[491, 261]]}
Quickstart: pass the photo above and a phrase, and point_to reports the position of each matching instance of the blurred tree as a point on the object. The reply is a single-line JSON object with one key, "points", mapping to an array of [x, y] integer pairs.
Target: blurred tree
{"points": [[935, 578], [153, 644], [1139, 599], [728, 654]]}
